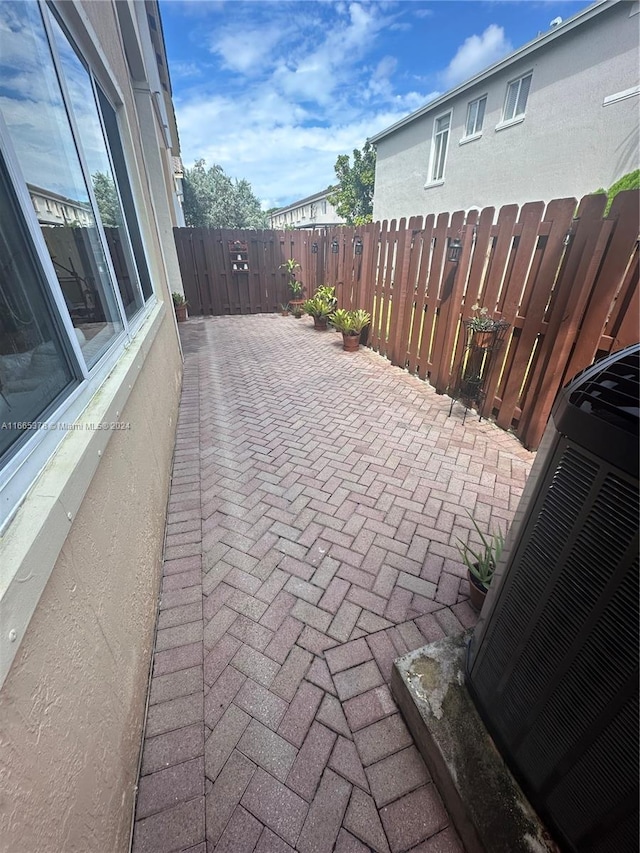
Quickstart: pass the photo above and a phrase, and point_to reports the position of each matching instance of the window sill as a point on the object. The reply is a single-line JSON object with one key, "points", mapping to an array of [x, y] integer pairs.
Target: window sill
{"points": [[33, 539], [513, 121], [621, 96], [430, 184], [471, 138]]}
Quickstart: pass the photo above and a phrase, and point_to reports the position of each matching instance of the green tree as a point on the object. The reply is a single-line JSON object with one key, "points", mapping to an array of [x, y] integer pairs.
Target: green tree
{"points": [[352, 197], [107, 199], [214, 200], [630, 181], [248, 207]]}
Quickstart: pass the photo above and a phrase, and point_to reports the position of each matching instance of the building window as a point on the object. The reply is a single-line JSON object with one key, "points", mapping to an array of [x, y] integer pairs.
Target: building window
{"points": [[35, 367], [439, 147], [69, 283], [475, 116], [324, 207], [515, 102]]}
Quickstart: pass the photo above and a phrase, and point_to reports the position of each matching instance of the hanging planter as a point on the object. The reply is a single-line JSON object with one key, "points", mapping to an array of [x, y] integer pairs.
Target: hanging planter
{"points": [[484, 335]]}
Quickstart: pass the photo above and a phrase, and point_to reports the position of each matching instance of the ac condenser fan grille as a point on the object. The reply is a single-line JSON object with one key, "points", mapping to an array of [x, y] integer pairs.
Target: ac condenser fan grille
{"points": [[613, 394]]}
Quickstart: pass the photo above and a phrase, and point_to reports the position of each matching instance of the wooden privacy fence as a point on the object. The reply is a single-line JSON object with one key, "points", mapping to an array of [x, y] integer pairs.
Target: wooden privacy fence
{"points": [[564, 277]]}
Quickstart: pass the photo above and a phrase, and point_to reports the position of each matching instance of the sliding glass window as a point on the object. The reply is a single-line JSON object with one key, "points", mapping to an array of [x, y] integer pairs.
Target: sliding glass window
{"points": [[73, 271], [35, 364], [89, 132], [38, 126]]}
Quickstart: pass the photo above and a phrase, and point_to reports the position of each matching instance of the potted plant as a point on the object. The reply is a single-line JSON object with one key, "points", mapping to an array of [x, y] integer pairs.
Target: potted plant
{"points": [[295, 286], [320, 310], [180, 306], [284, 309], [483, 328], [481, 563], [329, 295], [351, 324]]}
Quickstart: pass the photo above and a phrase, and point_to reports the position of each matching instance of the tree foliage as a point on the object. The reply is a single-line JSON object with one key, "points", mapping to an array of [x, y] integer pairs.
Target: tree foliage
{"points": [[214, 200], [630, 181], [352, 197], [107, 199]]}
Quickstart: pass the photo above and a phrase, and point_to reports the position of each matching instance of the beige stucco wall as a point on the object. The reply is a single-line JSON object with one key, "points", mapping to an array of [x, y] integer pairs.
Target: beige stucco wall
{"points": [[72, 706]]}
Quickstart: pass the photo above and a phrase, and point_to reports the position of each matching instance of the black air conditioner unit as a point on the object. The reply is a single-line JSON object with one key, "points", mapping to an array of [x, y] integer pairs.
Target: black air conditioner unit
{"points": [[553, 663]]}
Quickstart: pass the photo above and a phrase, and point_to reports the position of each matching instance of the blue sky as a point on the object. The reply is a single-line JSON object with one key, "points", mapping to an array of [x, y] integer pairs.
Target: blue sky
{"points": [[274, 90]]}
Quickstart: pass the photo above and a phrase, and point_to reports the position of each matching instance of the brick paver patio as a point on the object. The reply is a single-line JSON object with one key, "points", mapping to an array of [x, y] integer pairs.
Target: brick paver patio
{"points": [[315, 501]]}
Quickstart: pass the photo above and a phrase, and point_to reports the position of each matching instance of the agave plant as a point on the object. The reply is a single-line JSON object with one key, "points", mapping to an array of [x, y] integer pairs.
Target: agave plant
{"points": [[482, 561], [329, 295], [350, 322], [317, 307]]}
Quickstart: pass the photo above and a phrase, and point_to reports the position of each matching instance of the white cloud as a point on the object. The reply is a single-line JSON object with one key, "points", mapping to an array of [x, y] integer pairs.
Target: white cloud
{"points": [[245, 50], [476, 53], [273, 142], [185, 69]]}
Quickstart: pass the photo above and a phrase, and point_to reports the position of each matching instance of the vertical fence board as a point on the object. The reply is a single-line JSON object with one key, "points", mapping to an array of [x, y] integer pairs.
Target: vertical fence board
{"points": [[624, 327], [452, 283], [437, 251], [422, 248], [371, 241], [468, 271], [410, 263], [400, 288]]}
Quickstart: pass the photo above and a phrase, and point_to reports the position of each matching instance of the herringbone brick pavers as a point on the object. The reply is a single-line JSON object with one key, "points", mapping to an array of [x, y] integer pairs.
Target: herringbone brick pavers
{"points": [[311, 539]]}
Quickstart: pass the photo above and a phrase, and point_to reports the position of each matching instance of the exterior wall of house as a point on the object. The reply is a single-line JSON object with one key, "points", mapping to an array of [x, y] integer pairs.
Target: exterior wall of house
{"points": [[85, 545], [72, 706], [568, 144]]}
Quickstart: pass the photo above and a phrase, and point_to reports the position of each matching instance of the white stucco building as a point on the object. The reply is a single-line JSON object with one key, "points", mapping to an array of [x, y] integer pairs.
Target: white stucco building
{"points": [[556, 118], [313, 211]]}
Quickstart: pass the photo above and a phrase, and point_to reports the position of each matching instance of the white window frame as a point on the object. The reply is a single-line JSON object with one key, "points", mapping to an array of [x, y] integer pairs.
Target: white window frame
{"points": [[476, 133], [517, 117], [436, 150], [44, 482], [21, 468]]}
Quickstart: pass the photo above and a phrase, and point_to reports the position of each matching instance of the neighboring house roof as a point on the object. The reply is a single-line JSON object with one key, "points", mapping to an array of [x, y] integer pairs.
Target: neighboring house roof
{"points": [[310, 198], [559, 31]]}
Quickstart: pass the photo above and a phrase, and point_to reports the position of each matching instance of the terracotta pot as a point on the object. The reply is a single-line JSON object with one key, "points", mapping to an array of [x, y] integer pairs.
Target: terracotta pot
{"points": [[483, 340], [295, 303], [284, 313], [350, 343], [477, 593], [320, 324], [181, 313]]}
